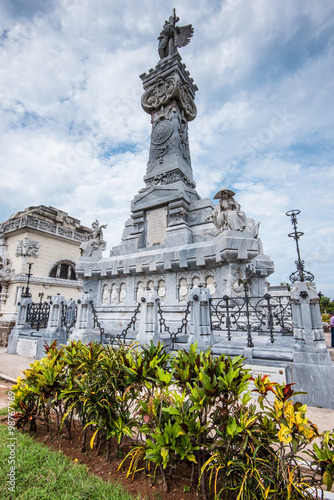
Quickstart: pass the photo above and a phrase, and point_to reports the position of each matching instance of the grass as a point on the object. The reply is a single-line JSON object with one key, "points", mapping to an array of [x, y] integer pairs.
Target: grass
{"points": [[49, 475]]}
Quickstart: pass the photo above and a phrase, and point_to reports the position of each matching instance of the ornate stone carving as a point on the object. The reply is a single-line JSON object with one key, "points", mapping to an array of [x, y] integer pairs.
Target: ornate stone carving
{"points": [[32, 222], [95, 244], [162, 289], [163, 90], [65, 232], [79, 236], [27, 248], [140, 290], [10, 226], [178, 217], [237, 279], [114, 293], [47, 226], [211, 284], [105, 295], [183, 289], [122, 293], [6, 270], [168, 178], [161, 132]]}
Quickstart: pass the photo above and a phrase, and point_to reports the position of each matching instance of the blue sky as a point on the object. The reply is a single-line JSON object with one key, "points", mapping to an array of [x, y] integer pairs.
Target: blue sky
{"points": [[74, 136]]}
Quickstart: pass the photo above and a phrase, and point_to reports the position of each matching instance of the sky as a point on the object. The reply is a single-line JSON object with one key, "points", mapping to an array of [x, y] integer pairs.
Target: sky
{"points": [[73, 134]]}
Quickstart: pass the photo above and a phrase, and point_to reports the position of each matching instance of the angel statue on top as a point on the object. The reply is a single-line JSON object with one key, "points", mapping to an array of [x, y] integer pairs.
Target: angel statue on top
{"points": [[172, 37]]}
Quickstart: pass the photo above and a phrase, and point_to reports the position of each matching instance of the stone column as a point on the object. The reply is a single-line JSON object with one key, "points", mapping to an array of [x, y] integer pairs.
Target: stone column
{"points": [[148, 324], [55, 316], [55, 329], [83, 329], [306, 317], [200, 329], [21, 326], [312, 367], [70, 311], [21, 321]]}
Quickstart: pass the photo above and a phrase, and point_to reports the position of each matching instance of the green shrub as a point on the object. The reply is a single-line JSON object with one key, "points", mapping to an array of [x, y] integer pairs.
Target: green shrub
{"points": [[188, 408]]}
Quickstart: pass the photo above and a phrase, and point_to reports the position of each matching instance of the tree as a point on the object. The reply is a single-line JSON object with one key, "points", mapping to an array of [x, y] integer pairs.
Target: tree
{"points": [[326, 305]]}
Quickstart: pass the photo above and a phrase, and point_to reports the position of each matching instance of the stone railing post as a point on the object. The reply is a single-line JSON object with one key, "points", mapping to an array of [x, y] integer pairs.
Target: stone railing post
{"points": [[21, 321], [148, 323], [85, 313], [70, 311], [200, 323], [21, 325], [83, 329], [309, 340], [312, 367], [55, 314]]}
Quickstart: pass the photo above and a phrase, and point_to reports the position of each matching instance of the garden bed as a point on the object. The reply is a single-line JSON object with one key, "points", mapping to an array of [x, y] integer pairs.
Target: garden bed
{"points": [[177, 427]]}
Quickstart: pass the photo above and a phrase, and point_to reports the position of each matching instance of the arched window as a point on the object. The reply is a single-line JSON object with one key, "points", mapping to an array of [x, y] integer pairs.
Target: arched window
{"points": [[64, 271]]}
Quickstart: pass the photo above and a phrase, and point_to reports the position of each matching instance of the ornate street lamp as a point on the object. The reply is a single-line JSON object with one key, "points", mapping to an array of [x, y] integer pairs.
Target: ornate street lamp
{"points": [[300, 274]]}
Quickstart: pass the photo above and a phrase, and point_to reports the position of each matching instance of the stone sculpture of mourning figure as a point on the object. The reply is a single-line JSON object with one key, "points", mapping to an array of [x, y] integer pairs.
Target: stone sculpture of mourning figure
{"points": [[228, 214], [95, 244]]}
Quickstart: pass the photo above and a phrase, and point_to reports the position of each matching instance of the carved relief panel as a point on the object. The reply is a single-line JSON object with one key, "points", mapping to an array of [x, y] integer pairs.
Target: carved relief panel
{"points": [[183, 289], [27, 248], [114, 294], [162, 290], [105, 295], [122, 293]]}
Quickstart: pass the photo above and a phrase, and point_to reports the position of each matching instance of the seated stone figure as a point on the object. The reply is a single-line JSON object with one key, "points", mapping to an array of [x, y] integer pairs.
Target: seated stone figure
{"points": [[95, 244], [228, 214]]}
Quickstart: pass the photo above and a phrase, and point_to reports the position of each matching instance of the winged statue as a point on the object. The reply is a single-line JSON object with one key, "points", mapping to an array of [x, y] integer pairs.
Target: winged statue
{"points": [[172, 37]]}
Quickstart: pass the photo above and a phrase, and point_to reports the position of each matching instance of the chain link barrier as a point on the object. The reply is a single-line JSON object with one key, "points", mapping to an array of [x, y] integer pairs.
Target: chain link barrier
{"points": [[120, 336], [162, 323], [96, 321], [132, 323]]}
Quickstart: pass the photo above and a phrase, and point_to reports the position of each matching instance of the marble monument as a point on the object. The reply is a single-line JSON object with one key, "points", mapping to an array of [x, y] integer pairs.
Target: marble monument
{"points": [[174, 240]]}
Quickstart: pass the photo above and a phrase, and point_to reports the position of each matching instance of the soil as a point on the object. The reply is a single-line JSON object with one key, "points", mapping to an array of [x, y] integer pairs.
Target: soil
{"points": [[142, 485], [146, 487]]}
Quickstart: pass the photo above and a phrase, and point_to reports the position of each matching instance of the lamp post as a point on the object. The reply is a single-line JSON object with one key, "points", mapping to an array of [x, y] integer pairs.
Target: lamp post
{"points": [[27, 294], [300, 274]]}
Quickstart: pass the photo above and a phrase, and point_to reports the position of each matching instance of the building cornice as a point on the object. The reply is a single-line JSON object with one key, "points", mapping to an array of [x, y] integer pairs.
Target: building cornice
{"points": [[40, 225], [46, 282]]}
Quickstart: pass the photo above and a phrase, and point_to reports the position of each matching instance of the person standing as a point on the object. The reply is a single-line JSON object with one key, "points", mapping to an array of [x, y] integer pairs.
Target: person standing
{"points": [[331, 324]]}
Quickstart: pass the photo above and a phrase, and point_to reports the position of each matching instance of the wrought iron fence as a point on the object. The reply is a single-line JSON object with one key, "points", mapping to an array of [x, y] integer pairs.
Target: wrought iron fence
{"points": [[38, 315], [69, 314], [265, 315]]}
